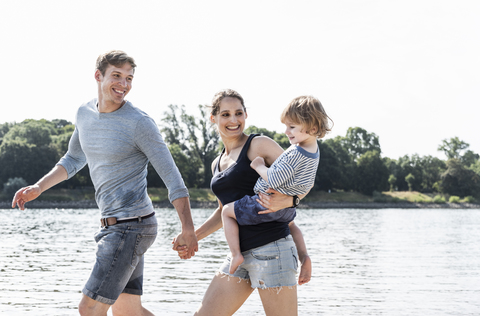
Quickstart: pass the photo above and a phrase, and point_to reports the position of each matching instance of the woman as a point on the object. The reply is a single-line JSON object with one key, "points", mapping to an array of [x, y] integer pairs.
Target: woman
{"points": [[269, 250]]}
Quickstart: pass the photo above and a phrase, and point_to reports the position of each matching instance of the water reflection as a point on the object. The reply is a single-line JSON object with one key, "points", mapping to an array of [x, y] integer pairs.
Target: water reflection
{"points": [[366, 262]]}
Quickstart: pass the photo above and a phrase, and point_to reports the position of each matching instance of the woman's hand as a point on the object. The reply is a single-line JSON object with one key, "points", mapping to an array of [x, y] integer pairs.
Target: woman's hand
{"points": [[274, 201], [305, 270]]}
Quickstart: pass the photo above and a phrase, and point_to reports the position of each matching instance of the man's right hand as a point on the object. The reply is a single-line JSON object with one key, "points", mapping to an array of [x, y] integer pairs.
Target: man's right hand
{"points": [[25, 195], [186, 244]]}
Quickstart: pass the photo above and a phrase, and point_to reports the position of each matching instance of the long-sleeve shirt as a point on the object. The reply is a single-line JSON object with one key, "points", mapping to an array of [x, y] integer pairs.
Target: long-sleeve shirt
{"points": [[117, 147]]}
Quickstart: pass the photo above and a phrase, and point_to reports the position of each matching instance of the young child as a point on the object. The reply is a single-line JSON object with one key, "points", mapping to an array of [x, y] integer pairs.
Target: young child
{"points": [[292, 173]]}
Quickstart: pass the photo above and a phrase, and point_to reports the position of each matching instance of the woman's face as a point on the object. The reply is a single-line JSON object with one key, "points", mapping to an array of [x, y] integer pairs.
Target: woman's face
{"points": [[230, 118]]}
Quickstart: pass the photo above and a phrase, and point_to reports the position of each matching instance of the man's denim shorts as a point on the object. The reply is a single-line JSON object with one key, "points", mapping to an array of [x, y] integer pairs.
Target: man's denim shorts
{"points": [[247, 208], [271, 266], [119, 260]]}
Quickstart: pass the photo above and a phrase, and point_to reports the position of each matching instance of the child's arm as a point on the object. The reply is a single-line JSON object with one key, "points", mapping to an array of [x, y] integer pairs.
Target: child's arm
{"points": [[303, 257], [258, 164]]}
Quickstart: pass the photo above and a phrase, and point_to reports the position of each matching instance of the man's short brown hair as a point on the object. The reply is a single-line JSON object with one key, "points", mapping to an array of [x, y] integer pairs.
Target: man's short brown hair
{"points": [[115, 58]]}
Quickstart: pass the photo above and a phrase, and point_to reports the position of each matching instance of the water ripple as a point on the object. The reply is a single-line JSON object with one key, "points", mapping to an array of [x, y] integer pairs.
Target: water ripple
{"points": [[366, 262]]}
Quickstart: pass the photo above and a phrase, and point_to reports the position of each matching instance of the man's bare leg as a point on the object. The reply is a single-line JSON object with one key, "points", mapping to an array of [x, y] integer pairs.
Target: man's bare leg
{"points": [[90, 307], [129, 305]]}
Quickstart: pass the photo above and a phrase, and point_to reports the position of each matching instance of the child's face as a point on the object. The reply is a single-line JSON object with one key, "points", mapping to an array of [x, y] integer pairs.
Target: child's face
{"points": [[296, 133]]}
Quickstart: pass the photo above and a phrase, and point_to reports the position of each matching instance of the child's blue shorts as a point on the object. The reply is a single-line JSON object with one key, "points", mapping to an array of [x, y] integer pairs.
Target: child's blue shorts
{"points": [[247, 208]]}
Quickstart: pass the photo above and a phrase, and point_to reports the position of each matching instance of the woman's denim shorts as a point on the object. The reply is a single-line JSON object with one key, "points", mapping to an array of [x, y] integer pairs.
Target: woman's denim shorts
{"points": [[271, 266], [119, 260]]}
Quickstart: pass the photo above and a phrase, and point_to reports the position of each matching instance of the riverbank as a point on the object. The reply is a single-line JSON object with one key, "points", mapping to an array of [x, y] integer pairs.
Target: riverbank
{"points": [[89, 204], [204, 198]]}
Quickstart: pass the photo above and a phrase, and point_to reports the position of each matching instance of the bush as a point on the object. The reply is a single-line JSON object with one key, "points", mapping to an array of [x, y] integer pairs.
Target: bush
{"points": [[468, 199], [379, 197], [438, 199], [13, 185], [454, 199]]}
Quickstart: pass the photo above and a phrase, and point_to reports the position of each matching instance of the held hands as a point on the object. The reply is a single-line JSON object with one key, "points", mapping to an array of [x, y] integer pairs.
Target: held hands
{"points": [[25, 195], [186, 244]]}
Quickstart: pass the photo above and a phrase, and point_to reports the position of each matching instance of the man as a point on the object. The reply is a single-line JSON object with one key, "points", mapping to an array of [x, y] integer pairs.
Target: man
{"points": [[117, 140]]}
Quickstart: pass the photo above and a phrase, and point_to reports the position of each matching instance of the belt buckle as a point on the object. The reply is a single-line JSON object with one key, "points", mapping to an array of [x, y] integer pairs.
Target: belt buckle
{"points": [[104, 222]]}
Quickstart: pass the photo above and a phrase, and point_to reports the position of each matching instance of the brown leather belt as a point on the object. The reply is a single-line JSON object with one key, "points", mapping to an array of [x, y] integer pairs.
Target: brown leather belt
{"points": [[110, 221]]}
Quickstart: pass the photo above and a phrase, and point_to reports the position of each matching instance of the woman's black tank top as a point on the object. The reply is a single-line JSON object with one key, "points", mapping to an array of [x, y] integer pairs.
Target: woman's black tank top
{"points": [[234, 183]]}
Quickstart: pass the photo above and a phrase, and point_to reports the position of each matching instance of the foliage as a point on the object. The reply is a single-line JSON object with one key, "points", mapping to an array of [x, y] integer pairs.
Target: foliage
{"points": [[358, 141], [348, 164], [13, 185], [453, 147], [329, 174], [475, 167], [438, 199], [341, 165], [27, 152], [410, 178], [280, 138], [432, 169], [371, 174], [458, 180], [31, 148], [426, 171], [392, 179], [4, 128], [468, 199], [193, 142], [454, 199]]}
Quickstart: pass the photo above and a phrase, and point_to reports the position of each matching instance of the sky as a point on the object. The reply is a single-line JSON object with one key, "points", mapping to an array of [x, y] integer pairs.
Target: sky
{"points": [[408, 71]]}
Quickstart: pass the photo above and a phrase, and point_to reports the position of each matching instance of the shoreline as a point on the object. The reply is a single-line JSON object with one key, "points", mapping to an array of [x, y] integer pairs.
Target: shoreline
{"points": [[89, 204]]}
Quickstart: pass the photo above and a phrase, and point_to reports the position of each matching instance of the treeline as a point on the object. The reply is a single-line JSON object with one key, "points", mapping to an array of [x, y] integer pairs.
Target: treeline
{"points": [[353, 162]]}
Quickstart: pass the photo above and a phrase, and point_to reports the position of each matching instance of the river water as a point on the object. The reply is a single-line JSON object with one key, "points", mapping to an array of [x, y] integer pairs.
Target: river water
{"points": [[365, 262]]}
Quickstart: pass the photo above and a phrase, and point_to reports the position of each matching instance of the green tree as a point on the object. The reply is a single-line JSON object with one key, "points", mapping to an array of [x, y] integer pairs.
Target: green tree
{"points": [[26, 151], [358, 141], [347, 167], [280, 138], [204, 148], [391, 180], [409, 165], [453, 147], [432, 168], [469, 158], [475, 167], [329, 171], [196, 140], [4, 128], [372, 174], [410, 179], [13, 185], [33, 132], [458, 180], [31, 148]]}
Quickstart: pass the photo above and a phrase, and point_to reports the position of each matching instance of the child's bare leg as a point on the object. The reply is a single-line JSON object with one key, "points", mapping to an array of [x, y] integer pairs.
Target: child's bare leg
{"points": [[230, 227]]}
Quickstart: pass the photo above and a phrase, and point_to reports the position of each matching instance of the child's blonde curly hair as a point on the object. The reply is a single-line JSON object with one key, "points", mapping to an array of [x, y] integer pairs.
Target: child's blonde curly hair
{"points": [[308, 112]]}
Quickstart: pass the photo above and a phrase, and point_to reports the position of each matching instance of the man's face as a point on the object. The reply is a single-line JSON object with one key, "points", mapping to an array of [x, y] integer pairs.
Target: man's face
{"points": [[115, 84]]}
